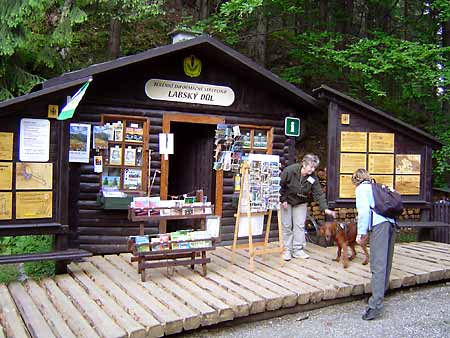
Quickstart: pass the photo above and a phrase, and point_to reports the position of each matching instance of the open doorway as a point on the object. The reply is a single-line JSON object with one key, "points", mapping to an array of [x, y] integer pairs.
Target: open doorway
{"points": [[191, 165]]}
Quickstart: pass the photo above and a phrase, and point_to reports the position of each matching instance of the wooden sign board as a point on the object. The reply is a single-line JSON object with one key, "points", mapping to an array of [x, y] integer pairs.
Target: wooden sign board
{"points": [[381, 163], [5, 205], [407, 164], [30, 204], [384, 179], [6, 146], [346, 187], [407, 184], [352, 161], [34, 176], [6, 175], [354, 142], [381, 142]]}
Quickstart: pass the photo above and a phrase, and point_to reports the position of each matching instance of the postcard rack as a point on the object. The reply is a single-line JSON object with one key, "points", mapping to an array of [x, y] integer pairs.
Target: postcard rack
{"points": [[254, 248], [170, 257]]}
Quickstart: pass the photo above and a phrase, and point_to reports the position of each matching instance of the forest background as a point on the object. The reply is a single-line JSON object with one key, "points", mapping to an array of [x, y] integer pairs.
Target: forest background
{"points": [[392, 54]]}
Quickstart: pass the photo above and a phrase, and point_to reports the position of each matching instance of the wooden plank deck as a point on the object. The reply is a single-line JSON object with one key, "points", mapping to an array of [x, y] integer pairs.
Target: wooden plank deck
{"points": [[104, 296]]}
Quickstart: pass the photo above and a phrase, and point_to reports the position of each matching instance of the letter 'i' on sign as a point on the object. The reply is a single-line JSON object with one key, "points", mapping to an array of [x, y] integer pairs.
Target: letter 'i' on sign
{"points": [[292, 126]]}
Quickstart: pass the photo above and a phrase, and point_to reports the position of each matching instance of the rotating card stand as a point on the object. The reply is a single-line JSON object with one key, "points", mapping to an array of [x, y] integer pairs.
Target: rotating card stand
{"points": [[254, 248]]}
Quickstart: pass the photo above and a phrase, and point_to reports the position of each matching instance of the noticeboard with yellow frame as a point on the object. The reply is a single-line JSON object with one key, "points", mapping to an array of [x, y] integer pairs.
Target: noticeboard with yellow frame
{"points": [[353, 141], [346, 187], [381, 142]]}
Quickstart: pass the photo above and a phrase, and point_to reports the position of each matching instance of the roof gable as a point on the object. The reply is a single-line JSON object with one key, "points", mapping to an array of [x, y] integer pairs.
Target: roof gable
{"points": [[332, 94], [213, 47]]}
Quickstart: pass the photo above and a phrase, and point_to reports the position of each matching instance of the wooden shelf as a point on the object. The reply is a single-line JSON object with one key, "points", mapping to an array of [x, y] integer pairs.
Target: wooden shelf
{"points": [[169, 257]]}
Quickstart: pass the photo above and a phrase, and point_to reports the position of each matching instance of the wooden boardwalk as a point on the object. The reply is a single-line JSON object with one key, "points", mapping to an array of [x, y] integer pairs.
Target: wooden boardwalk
{"points": [[104, 296]]}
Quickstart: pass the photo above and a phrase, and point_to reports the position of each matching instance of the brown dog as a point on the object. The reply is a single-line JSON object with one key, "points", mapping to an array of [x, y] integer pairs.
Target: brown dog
{"points": [[344, 235]]}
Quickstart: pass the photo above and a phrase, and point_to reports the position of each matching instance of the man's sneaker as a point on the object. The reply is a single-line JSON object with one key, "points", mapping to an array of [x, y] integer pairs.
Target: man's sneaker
{"points": [[287, 255], [371, 314], [300, 254]]}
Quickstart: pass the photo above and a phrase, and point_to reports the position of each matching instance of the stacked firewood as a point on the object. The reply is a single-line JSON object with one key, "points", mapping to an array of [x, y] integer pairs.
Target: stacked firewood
{"points": [[350, 214]]}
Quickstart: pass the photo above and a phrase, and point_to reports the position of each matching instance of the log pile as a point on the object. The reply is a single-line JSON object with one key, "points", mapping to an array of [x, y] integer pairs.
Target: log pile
{"points": [[350, 214]]}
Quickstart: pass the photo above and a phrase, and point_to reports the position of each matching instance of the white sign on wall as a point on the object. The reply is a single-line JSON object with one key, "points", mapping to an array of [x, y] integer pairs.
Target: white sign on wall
{"points": [[34, 145], [188, 92]]}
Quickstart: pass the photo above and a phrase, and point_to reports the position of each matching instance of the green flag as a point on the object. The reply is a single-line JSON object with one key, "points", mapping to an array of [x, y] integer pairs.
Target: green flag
{"points": [[69, 109]]}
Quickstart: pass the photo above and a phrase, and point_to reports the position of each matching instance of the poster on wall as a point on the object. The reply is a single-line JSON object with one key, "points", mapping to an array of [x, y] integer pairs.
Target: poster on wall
{"points": [[31, 204], [5, 205], [346, 187], [34, 144], [381, 164], [381, 142], [101, 134], [384, 179], [80, 138], [351, 161], [407, 184], [354, 142], [6, 146], [6, 175], [34, 176], [407, 164]]}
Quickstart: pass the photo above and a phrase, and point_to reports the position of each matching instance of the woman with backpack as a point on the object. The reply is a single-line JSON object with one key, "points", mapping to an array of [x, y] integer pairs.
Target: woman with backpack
{"points": [[382, 239]]}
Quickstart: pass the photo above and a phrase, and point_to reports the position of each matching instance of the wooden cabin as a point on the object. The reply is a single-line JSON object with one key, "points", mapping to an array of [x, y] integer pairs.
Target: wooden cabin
{"points": [[233, 90], [185, 89], [395, 153]]}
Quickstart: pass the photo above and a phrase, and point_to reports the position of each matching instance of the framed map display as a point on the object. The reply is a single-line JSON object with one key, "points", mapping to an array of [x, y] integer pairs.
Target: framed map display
{"points": [[346, 187], [407, 184], [407, 164], [34, 176], [352, 161], [381, 163], [354, 142], [381, 142]]}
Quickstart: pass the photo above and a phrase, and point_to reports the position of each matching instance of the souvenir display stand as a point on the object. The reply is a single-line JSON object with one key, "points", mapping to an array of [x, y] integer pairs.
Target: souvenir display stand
{"points": [[170, 257], [254, 248]]}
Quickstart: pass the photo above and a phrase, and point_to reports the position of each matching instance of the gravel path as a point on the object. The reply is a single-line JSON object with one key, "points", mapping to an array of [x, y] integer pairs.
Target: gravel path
{"points": [[420, 312]]}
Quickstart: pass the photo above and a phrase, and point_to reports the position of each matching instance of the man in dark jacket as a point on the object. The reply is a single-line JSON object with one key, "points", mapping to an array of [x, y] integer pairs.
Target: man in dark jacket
{"points": [[297, 181]]}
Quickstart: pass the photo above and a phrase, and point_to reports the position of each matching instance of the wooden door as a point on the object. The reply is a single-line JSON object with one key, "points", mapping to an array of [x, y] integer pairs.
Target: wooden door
{"points": [[198, 168]]}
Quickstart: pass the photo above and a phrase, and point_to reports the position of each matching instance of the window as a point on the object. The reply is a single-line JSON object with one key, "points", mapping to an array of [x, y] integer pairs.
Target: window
{"points": [[125, 159], [256, 139]]}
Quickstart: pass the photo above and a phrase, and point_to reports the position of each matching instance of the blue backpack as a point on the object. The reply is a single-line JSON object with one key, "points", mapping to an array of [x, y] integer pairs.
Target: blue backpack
{"points": [[388, 203]]}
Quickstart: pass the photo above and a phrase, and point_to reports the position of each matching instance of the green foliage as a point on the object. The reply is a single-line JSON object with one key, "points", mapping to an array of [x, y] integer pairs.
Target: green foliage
{"points": [[232, 17], [441, 168], [28, 244], [34, 35], [8, 273]]}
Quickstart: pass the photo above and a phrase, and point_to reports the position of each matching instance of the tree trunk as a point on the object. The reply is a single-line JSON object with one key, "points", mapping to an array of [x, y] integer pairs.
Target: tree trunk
{"points": [[115, 28], [323, 8], [446, 43], [203, 9], [257, 44]]}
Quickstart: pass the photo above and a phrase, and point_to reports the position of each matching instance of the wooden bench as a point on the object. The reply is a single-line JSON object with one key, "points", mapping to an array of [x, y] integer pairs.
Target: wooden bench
{"points": [[425, 228], [58, 255], [62, 254]]}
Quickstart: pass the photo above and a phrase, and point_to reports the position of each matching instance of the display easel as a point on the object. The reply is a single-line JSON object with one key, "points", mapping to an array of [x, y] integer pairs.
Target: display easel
{"points": [[254, 248]]}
